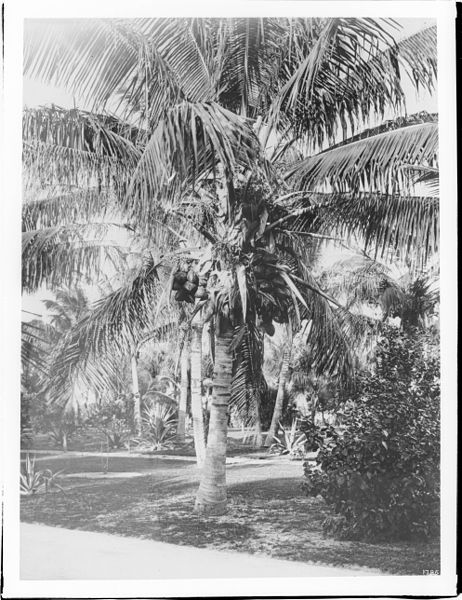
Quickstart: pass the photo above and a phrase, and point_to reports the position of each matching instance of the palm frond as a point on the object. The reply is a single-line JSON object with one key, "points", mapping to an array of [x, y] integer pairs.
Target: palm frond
{"points": [[362, 280], [248, 379], [192, 140], [352, 71], [131, 62], [35, 348], [74, 206], [428, 176], [248, 53], [371, 163], [61, 256], [76, 147], [107, 333]]}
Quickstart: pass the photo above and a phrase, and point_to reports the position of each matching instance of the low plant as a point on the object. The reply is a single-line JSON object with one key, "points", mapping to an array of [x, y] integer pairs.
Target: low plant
{"points": [[32, 481], [289, 441], [159, 426]]}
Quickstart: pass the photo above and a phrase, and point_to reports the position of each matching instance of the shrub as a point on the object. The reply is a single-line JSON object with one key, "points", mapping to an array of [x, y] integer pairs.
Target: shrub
{"points": [[379, 472], [113, 418]]}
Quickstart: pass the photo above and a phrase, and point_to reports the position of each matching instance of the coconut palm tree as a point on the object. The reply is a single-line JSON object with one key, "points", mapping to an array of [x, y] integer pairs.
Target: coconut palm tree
{"points": [[397, 292], [282, 385], [198, 101], [184, 390]]}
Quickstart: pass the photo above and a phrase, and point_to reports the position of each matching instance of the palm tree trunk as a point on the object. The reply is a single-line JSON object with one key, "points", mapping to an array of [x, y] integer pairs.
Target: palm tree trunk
{"points": [[184, 389], [136, 395], [64, 440], [196, 389], [258, 440], [211, 496], [314, 405], [283, 377]]}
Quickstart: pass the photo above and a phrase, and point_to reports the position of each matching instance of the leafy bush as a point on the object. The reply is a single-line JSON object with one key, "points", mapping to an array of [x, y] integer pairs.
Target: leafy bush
{"points": [[380, 470], [159, 422], [113, 418]]}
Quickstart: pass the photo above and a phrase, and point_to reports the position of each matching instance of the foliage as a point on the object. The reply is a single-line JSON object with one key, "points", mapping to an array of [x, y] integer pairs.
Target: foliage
{"points": [[32, 481], [113, 418], [159, 422], [379, 472], [268, 400], [289, 441], [185, 135]]}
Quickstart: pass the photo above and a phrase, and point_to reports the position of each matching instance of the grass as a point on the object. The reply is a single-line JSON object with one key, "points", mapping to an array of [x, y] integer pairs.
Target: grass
{"points": [[268, 514]]}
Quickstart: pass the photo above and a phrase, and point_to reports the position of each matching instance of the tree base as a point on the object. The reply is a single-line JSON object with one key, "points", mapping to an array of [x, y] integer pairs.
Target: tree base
{"points": [[215, 509]]}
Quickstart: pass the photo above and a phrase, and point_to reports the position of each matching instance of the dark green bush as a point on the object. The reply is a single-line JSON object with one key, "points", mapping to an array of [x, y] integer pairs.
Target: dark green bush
{"points": [[379, 472]]}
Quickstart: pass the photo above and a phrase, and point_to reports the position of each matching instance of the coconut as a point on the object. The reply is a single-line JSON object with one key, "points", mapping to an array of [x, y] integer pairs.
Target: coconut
{"points": [[269, 328], [180, 295], [201, 293], [190, 287], [193, 276], [180, 277]]}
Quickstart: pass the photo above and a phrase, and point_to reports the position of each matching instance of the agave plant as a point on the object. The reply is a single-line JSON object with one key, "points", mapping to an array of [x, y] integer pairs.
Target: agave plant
{"points": [[290, 441], [159, 425], [32, 481]]}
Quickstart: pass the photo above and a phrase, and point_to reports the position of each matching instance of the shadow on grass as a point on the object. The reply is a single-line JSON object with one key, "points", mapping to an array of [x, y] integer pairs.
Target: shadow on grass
{"points": [[266, 515]]}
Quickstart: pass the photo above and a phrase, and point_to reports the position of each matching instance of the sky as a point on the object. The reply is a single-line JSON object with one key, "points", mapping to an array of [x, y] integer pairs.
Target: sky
{"points": [[35, 93]]}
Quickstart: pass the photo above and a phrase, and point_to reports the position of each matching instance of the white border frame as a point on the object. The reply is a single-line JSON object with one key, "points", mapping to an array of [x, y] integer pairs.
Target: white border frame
{"points": [[15, 12]]}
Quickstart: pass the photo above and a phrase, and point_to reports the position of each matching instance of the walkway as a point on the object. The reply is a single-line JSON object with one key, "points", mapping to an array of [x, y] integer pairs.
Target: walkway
{"points": [[54, 553]]}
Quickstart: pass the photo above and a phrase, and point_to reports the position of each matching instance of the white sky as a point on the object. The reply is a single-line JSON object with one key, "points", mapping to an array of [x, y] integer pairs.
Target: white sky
{"points": [[35, 93]]}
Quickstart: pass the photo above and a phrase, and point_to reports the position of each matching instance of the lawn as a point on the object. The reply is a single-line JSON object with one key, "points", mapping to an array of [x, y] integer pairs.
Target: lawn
{"points": [[268, 514]]}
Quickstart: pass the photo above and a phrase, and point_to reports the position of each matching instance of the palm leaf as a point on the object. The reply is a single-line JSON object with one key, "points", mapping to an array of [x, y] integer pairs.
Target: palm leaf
{"points": [[248, 380], [90, 351], [62, 255], [362, 280], [352, 71], [74, 206], [75, 147], [191, 141], [372, 163], [132, 63], [35, 349]]}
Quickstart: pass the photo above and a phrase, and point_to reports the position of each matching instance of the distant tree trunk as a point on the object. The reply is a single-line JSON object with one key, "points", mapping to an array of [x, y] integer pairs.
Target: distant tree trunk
{"points": [[283, 377], [64, 440], [211, 496], [314, 402], [184, 390], [258, 440], [196, 389], [136, 395]]}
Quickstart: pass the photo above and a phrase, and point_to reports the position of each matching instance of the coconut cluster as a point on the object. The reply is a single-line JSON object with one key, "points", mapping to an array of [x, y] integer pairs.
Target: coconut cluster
{"points": [[188, 286]]}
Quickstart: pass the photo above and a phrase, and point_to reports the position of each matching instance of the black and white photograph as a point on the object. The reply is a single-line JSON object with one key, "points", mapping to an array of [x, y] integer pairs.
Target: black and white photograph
{"points": [[231, 367]]}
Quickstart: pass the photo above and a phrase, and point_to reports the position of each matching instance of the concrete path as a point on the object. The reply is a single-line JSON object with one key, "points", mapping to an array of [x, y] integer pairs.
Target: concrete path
{"points": [[57, 554]]}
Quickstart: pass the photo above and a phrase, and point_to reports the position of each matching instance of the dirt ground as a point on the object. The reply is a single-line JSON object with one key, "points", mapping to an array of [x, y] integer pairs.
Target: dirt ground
{"points": [[153, 498]]}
